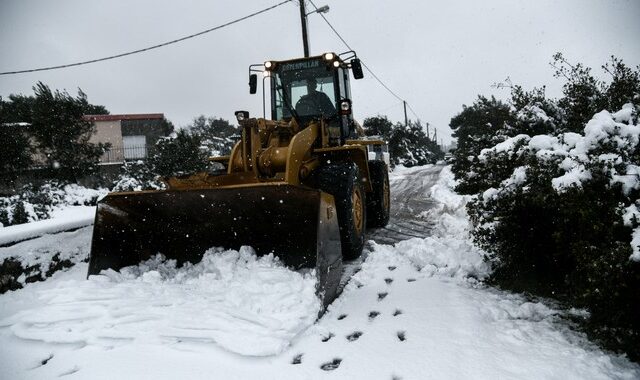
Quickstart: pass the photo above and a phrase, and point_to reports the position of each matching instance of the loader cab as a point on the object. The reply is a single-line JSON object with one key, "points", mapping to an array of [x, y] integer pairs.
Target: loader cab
{"points": [[314, 88]]}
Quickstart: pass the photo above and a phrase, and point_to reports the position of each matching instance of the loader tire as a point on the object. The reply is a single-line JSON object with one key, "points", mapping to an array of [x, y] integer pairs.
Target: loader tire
{"points": [[342, 180], [378, 200]]}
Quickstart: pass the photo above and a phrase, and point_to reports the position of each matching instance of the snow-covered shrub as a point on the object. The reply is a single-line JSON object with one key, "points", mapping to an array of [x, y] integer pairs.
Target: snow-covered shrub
{"points": [[136, 176], [563, 223], [478, 126], [557, 207], [34, 203]]}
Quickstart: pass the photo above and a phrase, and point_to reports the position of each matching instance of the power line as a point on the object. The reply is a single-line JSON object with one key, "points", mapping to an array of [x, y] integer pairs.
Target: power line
{"points": [[367, 67], [387, 108], [412, 111], [150, 47], [350, 48]]}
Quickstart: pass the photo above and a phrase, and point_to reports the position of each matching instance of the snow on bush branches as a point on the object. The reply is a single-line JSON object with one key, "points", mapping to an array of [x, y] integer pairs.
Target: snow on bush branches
{"points": [[607, 148], [556, 185]]}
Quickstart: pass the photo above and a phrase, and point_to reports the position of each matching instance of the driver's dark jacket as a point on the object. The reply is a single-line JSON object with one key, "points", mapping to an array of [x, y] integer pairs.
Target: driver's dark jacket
{"points": [[321, 103]]}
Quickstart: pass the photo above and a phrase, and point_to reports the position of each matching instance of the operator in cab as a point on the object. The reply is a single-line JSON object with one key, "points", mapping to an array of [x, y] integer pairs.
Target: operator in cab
{"points": [[315, 102]]}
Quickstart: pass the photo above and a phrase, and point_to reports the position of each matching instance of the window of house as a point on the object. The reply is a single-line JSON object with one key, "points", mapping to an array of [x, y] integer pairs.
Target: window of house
{"points": [[135, 147]]}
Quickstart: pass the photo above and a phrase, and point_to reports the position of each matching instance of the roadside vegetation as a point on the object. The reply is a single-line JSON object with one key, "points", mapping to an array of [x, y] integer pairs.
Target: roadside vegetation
{"points": [[556, 185]]}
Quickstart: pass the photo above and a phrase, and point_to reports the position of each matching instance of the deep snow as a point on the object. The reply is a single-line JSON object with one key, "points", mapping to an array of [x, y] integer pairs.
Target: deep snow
{"points": [[415, 310]]}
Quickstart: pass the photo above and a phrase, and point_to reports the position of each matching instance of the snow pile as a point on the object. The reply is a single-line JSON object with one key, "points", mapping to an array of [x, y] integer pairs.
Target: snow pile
{"points": [[38, 256], [448, 251], [232, 299]]}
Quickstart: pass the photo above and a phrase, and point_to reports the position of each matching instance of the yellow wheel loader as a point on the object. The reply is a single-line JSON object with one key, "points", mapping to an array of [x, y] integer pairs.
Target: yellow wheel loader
{"points": [[300, 185]]}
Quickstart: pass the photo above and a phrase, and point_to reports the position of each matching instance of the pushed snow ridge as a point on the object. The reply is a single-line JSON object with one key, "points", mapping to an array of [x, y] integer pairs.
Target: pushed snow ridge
{"points": [[246, 304]]}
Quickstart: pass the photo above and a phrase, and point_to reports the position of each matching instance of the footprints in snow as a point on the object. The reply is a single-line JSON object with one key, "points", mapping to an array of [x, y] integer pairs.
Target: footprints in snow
{"points": [[326, 338], [45, 361], [354, 336], [297, 359], [335, 363], [330, 366]]}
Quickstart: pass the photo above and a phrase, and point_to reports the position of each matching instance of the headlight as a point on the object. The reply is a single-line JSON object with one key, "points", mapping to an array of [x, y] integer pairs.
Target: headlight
{"points": [[336, 64], [269, 65], [329, 56]]}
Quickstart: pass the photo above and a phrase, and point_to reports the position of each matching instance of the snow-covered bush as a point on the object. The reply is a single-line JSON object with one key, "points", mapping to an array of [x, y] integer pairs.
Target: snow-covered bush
{"points": [[34, 203], [408, 145], [136, 176], [557, 207], [179, 155], [565, 221]]}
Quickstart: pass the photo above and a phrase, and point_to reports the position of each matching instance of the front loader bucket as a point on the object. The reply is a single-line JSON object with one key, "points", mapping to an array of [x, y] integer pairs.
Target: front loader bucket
{"points": [[297, 224]]}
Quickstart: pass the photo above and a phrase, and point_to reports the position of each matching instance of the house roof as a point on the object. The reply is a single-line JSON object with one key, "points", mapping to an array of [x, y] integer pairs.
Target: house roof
{"points": [[131, 116]]}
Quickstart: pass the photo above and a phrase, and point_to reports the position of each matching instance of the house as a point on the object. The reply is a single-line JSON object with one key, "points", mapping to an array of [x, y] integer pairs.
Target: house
{"points": [[131, 136]]}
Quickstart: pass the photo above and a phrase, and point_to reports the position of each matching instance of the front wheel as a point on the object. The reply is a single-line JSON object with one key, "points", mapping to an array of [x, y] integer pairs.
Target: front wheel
{"points": [[342, 180], [378, 200]]}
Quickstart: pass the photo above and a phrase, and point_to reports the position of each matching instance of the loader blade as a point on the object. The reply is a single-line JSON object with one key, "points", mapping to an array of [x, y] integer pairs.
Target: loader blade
{"points": [[297, 224]]}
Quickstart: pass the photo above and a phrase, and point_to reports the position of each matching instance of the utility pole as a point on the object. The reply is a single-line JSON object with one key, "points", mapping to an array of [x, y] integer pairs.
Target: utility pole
{"points": [[428, 131], [406, 121], [303, 19]]}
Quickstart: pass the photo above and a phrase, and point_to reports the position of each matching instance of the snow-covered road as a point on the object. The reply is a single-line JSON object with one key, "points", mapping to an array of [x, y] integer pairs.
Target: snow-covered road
{"points": [[412, 310]]}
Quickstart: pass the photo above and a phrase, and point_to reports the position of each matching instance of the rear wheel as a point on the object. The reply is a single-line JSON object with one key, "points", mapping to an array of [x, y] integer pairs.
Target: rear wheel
{"points": [[342, 180], [378, 200]]}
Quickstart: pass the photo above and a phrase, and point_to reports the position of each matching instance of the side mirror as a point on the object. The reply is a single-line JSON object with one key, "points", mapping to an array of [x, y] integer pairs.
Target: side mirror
{"points": [[253, 83], [242, 116], [356, 68]]}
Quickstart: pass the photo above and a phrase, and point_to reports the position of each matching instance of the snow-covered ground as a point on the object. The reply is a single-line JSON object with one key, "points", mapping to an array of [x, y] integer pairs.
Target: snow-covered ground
{"points": [[415, 310], [62, 219]]}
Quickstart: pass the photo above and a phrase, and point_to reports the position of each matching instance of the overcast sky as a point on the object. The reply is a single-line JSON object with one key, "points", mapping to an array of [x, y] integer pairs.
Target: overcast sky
{"points": [[437, 55]]}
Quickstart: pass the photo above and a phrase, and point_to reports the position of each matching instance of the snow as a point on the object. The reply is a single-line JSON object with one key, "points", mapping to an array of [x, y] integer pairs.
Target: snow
{"points": [[572, 178], [506, 146], [248, 305], [63, 219], [71, 245], [414, 310]]}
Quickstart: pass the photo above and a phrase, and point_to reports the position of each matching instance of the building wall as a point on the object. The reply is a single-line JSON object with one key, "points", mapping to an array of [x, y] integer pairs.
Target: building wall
{"points": [[109, 132]]}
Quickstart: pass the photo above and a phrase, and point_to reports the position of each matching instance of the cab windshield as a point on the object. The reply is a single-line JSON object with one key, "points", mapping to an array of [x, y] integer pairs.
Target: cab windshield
{"points": [[305, 87]]}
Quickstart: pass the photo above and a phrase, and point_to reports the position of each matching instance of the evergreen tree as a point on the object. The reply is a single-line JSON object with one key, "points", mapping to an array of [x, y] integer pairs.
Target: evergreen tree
{"points": [[378, 126], [582, 92], [16, 151], [217, 134], [60, 135], [178, 156], [409, 146], [477, 127]]}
